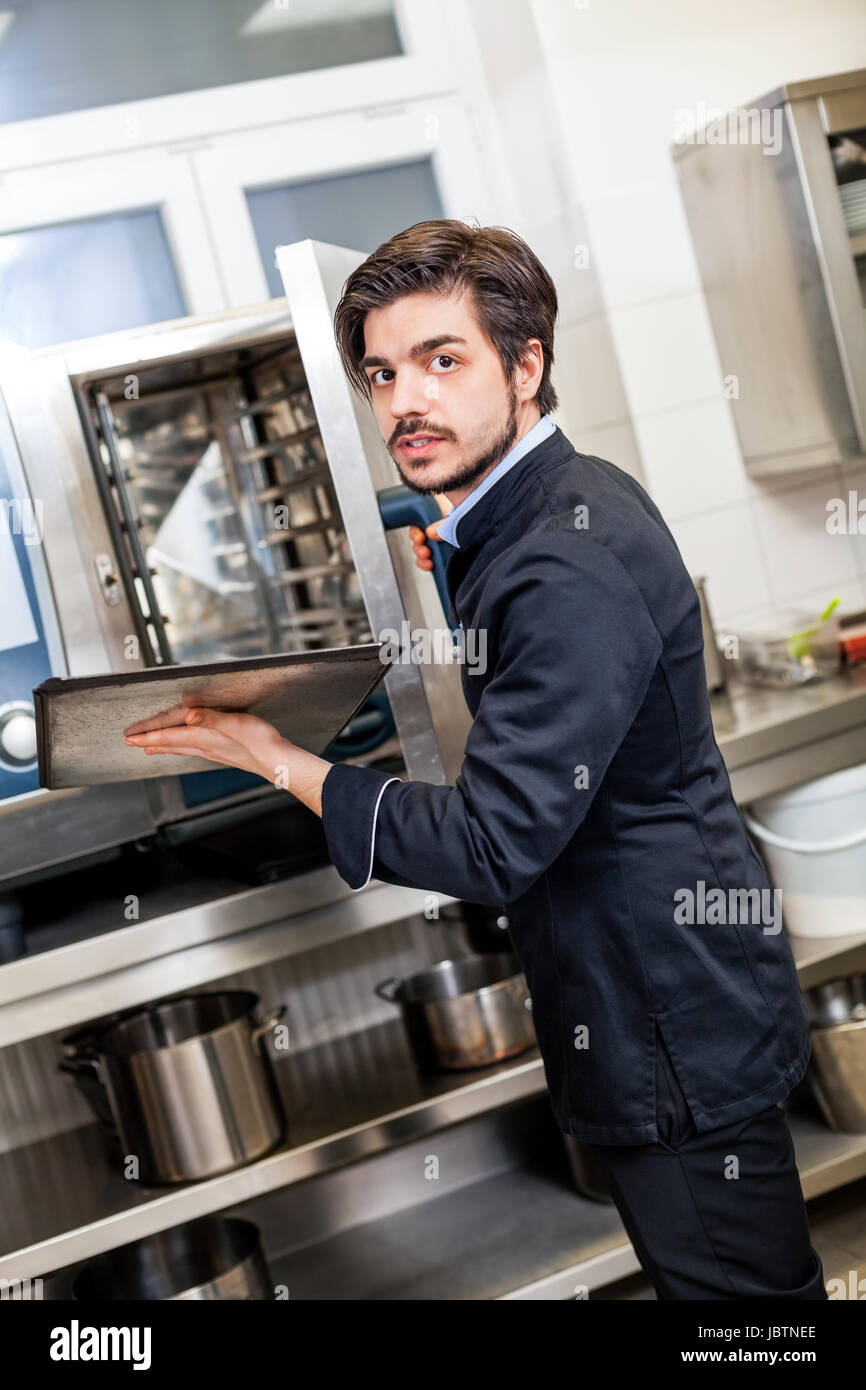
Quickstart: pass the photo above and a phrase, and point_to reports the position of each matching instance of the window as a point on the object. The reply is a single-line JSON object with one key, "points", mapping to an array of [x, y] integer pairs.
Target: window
{"points": [[360, 210], [77, 279], [70, 55]]}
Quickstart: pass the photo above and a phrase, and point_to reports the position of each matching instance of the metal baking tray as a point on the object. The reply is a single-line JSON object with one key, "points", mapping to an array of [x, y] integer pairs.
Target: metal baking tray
{"points": [[81, 720]]}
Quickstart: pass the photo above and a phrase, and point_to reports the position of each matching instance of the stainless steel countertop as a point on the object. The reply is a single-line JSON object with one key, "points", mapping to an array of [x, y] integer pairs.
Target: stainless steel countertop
{"points": [[773, 739]]}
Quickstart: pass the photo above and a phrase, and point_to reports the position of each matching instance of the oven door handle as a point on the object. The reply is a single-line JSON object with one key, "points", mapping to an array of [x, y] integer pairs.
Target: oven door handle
{"points": [[399, 506]]}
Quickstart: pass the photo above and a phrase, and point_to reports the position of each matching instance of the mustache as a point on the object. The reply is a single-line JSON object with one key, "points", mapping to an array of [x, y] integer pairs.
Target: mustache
{"points": [[421, 429]]}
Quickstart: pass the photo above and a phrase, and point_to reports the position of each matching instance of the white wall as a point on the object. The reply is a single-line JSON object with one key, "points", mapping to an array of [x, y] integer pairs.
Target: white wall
{"points": [[538, 198], [619, 71]]}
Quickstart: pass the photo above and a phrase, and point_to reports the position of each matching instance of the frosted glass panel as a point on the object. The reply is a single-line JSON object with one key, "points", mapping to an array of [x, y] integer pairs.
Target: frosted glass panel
{"points": [[358, 210], [77, 279], [67, 55]]}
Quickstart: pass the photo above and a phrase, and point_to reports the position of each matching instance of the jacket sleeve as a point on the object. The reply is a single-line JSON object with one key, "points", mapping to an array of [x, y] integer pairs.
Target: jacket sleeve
{"points": [[575, 650]]}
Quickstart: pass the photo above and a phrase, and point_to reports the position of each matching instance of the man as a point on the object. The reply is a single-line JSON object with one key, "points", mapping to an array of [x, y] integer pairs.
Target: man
{"points": [[593, 806]]}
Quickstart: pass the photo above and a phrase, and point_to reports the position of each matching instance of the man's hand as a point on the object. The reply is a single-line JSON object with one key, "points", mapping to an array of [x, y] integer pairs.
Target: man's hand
{"points": [[238, 740], [244, 741], [423, 558]]}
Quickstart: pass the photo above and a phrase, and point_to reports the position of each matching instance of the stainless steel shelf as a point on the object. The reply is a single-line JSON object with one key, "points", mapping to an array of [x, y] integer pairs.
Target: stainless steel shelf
{"points": [[346, 1100], [483, 1241], [521, 1235], [179, 950]]}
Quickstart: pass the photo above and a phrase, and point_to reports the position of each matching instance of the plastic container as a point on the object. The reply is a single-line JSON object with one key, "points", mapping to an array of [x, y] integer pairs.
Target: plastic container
{"points": [[775, 652], [814, 842]]}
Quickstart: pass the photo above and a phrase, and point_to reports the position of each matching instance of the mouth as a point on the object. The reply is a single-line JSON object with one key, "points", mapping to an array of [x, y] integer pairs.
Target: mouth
{"points": [[419, 445]]}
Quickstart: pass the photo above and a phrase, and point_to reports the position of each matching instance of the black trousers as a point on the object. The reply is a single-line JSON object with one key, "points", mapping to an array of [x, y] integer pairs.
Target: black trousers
{"points": [[699, 1231]]}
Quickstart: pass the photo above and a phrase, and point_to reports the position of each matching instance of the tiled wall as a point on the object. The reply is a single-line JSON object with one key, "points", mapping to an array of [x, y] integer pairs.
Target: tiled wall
{"points": [[619, 72]]}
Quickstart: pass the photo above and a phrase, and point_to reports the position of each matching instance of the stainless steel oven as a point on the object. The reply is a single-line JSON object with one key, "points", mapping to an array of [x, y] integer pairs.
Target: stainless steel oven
{"points": [[200, 490]]}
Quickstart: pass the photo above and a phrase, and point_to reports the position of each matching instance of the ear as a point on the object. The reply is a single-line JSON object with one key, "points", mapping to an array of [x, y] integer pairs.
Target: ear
{"points": [[530, 370]]}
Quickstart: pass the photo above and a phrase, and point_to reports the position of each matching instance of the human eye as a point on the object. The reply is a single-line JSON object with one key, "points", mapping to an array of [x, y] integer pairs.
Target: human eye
{"points": [[373, 376], [444, 357]]}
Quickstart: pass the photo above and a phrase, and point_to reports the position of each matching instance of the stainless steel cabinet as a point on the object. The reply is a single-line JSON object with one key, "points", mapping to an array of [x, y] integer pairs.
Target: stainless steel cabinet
{"points": [[775, 195]]}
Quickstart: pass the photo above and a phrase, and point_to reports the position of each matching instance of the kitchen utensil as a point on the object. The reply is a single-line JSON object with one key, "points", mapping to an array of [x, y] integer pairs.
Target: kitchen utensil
{"points": [[837, 1001], [799, 642], [190, 1087], [473, 929], [837, 1066], [790, 650], [469, 1012], [714, 665], [81, 721], [586, 1171], [216, 1257], [79, 1062]]}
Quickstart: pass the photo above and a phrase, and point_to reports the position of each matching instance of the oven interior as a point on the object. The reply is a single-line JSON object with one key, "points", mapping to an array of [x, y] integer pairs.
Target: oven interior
{"points": [[218, 492]]}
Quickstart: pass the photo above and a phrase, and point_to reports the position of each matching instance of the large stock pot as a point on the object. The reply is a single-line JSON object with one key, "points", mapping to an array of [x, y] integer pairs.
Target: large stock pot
{"points": [[189, 1083]]}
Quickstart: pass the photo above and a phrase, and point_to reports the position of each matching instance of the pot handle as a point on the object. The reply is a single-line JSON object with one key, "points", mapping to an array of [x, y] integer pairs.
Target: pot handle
{"points": [[270, 1020], [75, 1065], [382, 989]]}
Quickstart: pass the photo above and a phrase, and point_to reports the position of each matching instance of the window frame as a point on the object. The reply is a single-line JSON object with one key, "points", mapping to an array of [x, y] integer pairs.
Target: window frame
{"points": [[425, 68], [326, 147], [111, 186]]}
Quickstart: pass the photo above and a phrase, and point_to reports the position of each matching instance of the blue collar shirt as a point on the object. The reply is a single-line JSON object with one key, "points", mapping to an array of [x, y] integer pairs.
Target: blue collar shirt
{"points": [[539, 432]]}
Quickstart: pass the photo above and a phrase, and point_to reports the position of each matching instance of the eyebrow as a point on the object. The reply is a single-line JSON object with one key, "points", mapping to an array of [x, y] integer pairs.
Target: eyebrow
{"points": [[417, 351]]}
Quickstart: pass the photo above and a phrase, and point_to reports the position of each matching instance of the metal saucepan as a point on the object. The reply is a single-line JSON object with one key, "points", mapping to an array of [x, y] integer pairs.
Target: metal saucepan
{"points": [[190, 1086], [464, 1013], [837, 1066], [474, 928], [837, 1001], [79, 1062], [586, 1171], [215, 1257]]}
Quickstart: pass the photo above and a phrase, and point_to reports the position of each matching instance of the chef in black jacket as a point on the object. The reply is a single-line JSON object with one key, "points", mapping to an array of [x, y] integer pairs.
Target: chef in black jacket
{"points": [[593, 807]]}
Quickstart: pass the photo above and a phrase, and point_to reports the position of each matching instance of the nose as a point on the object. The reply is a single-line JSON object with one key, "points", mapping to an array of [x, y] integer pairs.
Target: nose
{"points": [[407, 397]]}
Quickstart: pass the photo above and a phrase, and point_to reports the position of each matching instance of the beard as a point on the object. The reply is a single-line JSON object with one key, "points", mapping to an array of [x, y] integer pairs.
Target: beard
{"points": [[472, 471]]}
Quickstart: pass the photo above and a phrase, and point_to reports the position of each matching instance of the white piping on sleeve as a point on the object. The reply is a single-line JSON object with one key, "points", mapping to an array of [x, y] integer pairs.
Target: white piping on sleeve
{"points": [[373, 832]]}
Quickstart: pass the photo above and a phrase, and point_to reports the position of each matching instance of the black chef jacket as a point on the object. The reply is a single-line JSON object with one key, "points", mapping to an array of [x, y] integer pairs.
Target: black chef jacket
{"points": [[592, 800]]}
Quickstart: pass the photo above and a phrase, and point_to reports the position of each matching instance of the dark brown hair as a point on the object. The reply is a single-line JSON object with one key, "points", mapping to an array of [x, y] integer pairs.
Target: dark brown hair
{"points": [[513, 295]]}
